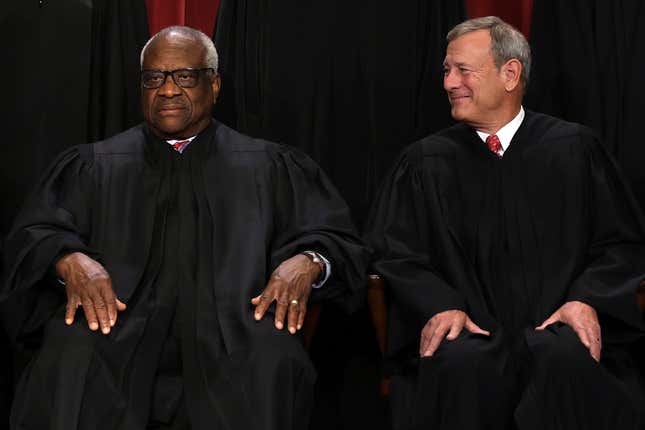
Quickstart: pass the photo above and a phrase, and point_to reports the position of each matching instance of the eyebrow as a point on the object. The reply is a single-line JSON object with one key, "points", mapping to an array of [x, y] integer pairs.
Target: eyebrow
{"points": [[458, 64]]}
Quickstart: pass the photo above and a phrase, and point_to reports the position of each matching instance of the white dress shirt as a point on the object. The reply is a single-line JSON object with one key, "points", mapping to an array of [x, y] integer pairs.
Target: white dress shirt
{"points": [[506, 133]]}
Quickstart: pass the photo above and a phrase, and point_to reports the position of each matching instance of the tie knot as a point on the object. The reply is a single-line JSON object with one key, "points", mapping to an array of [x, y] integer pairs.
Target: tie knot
{"points": [[179, 146], [494, 144]]}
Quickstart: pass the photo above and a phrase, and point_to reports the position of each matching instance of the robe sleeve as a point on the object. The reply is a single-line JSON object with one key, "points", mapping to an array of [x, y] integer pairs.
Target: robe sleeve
{"points": [[311, 215], [615, 263], [400, 229], [52, 223]]}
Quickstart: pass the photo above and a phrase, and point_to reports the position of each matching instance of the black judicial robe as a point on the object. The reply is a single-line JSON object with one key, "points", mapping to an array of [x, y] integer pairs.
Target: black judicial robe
{"points": [[240, 207], [508, 240]]}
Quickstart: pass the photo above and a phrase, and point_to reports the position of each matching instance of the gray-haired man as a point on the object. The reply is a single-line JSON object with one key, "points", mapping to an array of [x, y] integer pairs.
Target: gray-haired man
{"points": [[514, 250]]}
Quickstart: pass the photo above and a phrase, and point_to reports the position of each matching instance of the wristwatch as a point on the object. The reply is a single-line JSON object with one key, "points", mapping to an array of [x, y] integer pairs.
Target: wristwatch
{"points": [[316, 259]]}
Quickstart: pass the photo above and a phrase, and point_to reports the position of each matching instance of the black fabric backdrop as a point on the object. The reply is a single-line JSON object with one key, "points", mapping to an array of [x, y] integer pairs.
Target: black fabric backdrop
{"points": [[589, 58], [351, 83], [70, 76]]}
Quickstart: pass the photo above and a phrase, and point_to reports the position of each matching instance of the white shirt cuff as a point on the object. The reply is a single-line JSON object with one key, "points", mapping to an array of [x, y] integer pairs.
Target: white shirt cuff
{"points": [[327, 270]]}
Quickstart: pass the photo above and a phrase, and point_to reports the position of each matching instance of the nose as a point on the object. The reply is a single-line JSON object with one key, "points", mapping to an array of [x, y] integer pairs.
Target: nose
{"points": [[169, 87], [451, 79]]}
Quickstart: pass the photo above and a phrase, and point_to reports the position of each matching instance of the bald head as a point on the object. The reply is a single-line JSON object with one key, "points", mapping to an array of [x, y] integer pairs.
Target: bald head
{"points": [[177, 33]]}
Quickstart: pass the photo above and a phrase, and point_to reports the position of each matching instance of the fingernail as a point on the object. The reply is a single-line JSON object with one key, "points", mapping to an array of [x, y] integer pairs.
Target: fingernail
{"points": [[105, 330], [279, 325], [68, 321], [111, 323], [257, 316], [299, 326], [292, 330], [94, 326]]}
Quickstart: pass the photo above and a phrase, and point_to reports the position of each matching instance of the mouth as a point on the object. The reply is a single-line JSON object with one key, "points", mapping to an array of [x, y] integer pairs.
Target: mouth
{"points": [[457, 99], [170, 109]]}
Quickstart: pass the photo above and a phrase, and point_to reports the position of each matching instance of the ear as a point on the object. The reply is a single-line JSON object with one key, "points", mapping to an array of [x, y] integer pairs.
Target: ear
{"points": [[511, 72], [215, 87]]}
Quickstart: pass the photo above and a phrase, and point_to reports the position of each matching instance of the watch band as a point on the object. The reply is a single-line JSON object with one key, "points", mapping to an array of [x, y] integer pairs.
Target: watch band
{"points": [[315, 258]]}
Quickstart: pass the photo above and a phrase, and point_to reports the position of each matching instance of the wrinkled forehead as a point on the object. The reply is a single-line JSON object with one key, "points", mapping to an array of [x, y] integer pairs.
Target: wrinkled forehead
{"points": [[174, 51], [473, 47]]}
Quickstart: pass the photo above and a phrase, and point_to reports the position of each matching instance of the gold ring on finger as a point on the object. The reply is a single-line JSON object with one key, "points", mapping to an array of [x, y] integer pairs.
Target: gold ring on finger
{"points": [[294, 302]]}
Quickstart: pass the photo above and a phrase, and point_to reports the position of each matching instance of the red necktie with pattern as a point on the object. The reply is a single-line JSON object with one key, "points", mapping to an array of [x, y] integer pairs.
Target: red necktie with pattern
{"points": [[494, 144], [179, 146]]}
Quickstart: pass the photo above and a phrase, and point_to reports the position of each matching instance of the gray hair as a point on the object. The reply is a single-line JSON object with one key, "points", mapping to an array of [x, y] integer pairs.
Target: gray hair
{"points": [[507, 42], [210, 58]]}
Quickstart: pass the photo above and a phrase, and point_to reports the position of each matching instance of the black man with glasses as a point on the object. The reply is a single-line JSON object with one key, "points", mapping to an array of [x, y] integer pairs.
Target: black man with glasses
{"points": [[165, 272]]}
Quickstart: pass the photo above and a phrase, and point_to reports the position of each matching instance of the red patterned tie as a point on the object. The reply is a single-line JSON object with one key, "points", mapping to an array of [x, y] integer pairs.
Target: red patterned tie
{"points": [[179, 146], [494, 144]]}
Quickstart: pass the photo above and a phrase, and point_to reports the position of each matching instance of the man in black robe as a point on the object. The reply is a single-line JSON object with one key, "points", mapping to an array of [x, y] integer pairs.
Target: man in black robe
{"points": [[165, 236], [513, 249]]}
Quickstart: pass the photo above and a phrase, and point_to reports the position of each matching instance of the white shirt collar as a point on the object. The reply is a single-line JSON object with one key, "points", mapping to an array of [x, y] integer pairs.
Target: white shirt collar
{"points": [[172, 142], [190, 139], [507, 132]]}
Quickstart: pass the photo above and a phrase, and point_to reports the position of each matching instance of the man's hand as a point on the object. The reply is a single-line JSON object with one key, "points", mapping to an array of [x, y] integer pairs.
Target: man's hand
{"points": [[583, 319], [89, 285], [450, 322], [289, 286]]}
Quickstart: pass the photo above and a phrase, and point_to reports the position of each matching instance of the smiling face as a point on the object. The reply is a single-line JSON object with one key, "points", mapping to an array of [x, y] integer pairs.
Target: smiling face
{"points": [[474, 84], [173, 112]]}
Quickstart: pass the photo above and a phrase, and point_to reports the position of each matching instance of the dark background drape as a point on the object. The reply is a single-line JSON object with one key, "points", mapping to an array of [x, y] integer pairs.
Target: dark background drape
{"points": [[589, 58], [71, 76], [515, 12], [350, 83], [199, 14]]}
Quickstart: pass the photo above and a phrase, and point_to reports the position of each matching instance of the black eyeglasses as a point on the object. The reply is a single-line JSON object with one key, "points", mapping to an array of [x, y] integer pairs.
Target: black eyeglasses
{"points": [[185, 78]]}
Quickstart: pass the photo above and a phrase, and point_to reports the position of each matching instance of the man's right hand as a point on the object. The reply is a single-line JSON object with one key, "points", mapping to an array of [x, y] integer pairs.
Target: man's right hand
{"points": [[88, 285], [446, 322]]}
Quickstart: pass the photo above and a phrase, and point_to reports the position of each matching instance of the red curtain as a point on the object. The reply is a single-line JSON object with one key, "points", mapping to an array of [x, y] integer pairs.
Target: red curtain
{"points": [[515, 12], [199, 14]]}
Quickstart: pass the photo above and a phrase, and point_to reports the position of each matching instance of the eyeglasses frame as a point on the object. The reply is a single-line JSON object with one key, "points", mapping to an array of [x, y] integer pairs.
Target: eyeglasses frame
{"points": [[172, 72]]}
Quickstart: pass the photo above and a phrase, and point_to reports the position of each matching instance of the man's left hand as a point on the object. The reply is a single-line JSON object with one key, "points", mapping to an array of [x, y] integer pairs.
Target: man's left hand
{"points": [[289, 286], [583, 319]]}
